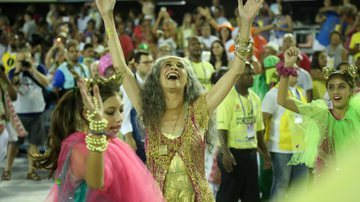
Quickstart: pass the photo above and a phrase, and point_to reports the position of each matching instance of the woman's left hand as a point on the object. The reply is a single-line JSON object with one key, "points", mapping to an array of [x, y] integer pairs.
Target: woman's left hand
{"points": [[91, 103]]}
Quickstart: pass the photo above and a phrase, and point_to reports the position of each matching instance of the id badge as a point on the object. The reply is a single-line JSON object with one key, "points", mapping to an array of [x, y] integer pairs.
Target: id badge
{"points": [[250, 131]]}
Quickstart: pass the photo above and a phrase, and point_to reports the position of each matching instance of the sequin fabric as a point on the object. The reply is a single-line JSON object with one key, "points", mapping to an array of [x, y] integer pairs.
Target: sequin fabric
{"points": [[189, 146]]}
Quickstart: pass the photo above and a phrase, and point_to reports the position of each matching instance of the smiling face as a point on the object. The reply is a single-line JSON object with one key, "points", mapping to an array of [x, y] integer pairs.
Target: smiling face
{"points": [[113, 113], [247, 78], [173, 74], [339, 92], [195, 47]]}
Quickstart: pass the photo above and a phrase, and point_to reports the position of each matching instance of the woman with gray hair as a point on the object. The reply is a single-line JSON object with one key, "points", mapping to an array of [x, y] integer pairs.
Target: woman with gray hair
{"points": [[175, 111]]}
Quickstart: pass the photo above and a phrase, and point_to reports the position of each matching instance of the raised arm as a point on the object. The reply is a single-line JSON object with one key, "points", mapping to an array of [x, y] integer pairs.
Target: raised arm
{"points": [[131, 87], [283, 98], [247, 14]]}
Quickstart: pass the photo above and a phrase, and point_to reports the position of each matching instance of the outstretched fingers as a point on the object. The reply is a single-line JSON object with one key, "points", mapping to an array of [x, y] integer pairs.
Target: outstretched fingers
{"points": [[97, 96], [86, 97]]}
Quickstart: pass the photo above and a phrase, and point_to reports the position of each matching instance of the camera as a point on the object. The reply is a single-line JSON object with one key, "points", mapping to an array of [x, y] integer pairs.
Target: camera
{"points": [[25, 64]]}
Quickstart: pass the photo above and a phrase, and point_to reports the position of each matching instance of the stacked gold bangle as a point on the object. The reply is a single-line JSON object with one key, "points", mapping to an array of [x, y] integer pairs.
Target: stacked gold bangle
{"points": [[98, 126], [96, 144], [242, 48]]}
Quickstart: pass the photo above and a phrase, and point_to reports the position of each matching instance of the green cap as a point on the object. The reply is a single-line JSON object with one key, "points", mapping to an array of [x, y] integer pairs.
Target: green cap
{"points": [[143, 46], [271, 61]]}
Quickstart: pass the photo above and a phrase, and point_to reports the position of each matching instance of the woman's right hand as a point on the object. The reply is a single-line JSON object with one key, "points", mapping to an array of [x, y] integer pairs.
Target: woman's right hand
{"points": [[248, 11], [290, 56], [105, 7], [228, 161]]}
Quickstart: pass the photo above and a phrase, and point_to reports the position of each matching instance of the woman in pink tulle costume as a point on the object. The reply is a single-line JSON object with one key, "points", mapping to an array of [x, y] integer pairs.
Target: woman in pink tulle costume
{"points": [[89, 161]]}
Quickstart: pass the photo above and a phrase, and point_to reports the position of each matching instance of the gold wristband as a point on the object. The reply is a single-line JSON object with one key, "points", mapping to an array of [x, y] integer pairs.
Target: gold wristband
{"points": [[96, 144]]}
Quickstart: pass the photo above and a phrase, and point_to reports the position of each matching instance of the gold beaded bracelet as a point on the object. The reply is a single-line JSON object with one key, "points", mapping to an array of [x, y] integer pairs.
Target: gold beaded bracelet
{"points": [[98, 126], [243, 47], [96, 144]]}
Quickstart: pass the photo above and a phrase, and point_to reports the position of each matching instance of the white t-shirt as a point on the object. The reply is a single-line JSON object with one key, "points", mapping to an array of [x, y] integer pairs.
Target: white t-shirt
{"points": [[208, 40], [270, 106], [304, 80], [126, 126]]}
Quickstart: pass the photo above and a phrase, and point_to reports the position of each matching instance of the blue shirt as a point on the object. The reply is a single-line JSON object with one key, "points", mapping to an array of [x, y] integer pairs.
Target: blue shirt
{"points": [[332, 19], [63, 78]]}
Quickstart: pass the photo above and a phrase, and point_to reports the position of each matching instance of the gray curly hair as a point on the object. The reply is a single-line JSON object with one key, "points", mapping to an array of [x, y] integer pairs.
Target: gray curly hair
{"points": [[153, 100]]}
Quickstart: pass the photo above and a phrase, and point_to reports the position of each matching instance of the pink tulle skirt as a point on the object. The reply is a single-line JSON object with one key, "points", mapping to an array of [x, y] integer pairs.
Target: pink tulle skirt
{"points": [[126, 178]]}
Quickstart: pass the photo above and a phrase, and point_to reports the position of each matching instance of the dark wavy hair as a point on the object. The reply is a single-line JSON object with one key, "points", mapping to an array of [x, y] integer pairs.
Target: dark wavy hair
{"points": [[224, 59], [153, 99], [66, 119], [315, 60]]}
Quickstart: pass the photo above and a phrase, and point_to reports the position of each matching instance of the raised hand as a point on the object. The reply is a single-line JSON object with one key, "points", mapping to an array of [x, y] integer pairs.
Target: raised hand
{"points": [[105, 7], [91, 103], [290, 56], [248, 11]]}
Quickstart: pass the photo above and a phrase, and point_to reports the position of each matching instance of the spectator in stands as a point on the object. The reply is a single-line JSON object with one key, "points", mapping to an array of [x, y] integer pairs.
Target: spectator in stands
{"points": [[354, 46], [83, 18], [347, 13], [185, 31], [271, 48], [97, 42], [135, 16], [125, 39], [290, 41], [218, 57], [206, 38], [318, 62], [64, 80], [263, 22], [148, 8], [30, 81], [142, 33], [167, 34], [328, 17], [283, 22], [164, 50], [29, 26], [202, 69], [336, 53], [219, 14], [55, 56], [87, 55], [90, 29]]}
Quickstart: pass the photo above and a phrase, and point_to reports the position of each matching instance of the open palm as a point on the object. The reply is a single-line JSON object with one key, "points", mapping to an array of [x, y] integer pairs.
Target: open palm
{"points": [[88, 100], [250, 9], [105, 7]]}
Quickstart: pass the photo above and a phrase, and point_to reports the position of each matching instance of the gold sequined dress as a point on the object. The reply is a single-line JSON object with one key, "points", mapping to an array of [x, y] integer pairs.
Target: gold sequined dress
{"points": [[178, 163]]}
